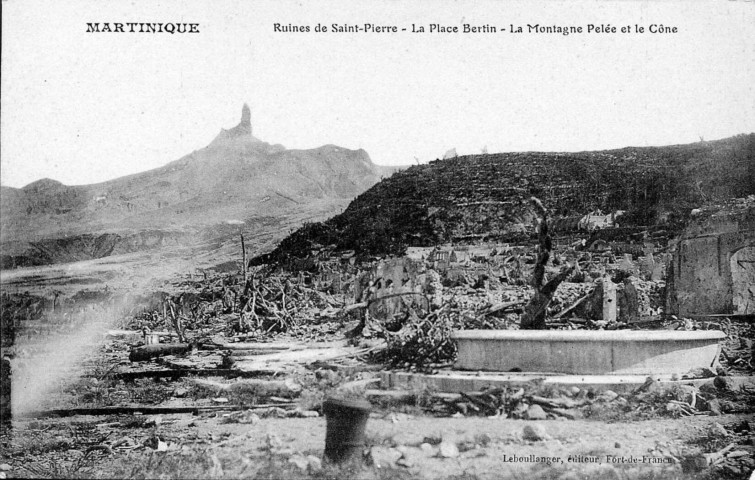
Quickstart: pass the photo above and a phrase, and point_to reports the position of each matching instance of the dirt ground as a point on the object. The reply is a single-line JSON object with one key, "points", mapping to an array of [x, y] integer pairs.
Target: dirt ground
{"points": [[204, 446]]}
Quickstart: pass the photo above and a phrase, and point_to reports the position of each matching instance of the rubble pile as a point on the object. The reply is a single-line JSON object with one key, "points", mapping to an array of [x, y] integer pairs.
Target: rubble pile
{"points": [[738, 351], [534, 401], [225, 304], [281, 304]]}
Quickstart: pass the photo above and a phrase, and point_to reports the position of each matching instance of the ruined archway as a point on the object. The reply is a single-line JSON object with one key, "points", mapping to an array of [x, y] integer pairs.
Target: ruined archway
{"points": [[743, 280]]}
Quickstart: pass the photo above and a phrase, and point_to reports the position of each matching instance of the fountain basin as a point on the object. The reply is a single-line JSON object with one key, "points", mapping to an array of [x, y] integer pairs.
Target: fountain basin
{"points": [[587, 352]]}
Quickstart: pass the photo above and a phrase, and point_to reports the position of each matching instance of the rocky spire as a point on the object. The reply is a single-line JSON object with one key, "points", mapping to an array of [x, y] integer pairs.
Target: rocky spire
{"points": [[246, 118], [245, 125], [242, 130]]}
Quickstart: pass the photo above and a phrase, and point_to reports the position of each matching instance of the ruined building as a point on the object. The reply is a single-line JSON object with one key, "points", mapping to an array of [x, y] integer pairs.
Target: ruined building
{"points": [[713, 267]]}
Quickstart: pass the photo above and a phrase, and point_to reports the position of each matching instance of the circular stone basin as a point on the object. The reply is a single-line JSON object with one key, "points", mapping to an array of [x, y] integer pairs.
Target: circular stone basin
{"points": [[587, 352]]}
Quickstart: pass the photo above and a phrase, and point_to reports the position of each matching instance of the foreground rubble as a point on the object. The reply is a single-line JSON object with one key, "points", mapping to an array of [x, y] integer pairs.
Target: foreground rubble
{"points": [[222, 377]]}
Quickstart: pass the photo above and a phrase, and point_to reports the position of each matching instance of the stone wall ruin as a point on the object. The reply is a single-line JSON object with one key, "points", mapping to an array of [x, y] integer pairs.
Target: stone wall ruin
{"points": [[712, 270]]}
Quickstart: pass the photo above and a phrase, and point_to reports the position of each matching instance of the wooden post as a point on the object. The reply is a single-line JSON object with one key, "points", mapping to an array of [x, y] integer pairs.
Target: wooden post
{"points": [[5, 393], [609, 300]]}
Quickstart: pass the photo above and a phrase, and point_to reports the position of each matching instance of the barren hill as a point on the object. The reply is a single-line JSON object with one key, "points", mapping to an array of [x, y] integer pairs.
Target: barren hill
{"points": [[236, 179], [485, 197]]}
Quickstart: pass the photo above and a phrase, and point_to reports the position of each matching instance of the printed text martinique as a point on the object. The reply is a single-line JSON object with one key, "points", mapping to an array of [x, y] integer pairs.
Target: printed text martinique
{"points": [[136, 27]]}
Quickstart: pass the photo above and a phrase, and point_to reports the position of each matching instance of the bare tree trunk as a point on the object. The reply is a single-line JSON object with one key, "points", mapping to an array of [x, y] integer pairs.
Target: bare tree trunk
{"points": [[243, 257], [534, 312], [142, 354]]}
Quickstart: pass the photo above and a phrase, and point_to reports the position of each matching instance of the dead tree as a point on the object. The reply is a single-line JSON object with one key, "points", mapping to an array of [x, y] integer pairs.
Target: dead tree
{"points": [[243, 256], [534, 313], [171, 309]]}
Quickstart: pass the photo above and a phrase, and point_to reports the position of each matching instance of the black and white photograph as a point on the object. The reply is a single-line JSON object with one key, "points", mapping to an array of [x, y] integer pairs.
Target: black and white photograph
{"points": [[453, 239]]}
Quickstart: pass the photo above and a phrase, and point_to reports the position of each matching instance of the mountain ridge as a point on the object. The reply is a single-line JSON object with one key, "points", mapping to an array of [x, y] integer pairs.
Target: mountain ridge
{"points": [[486, 197], [235, 177]]}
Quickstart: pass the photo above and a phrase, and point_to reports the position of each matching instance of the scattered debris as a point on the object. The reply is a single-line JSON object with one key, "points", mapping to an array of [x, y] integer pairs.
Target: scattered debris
{"points": [[534, 432]]}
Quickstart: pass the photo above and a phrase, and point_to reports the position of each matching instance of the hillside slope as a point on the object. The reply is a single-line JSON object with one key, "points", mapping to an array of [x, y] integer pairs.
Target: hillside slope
{"points": [[236, 178], [486, 196]]}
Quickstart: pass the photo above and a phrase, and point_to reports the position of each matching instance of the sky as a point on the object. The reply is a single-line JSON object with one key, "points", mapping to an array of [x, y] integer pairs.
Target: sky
{"points": [[84, 107]]}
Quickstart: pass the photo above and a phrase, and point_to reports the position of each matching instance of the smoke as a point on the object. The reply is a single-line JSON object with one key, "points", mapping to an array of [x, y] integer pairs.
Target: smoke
{"points": [[48, 362], [52, 354]]}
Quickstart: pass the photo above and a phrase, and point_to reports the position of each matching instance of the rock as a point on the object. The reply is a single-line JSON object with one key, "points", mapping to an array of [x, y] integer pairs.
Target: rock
{"points": [[727, 406], [155, 443], [694, 463], [701, 403], [248, 417], [399, 417], [152, 442], [684, 393], [326, 375], [411, 456], [383, 457], [356, 387], [227, 361], [534, 433], [180, 392], [737, 454], [483, 439], [700, 372], [673, 407], [722, 383], [535, 412], [617, 445], [519, 410], [428, 450], [650, 384], [718, 429], [709, 388], [315, 464], [691, 395], [408, 438], [448, 449], [5, 467], [153, 422], [300, 461], [742, 427], [607, 396], [306, 414], [573, 390], [246, 117], [292, 385]]}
